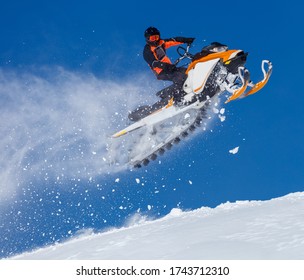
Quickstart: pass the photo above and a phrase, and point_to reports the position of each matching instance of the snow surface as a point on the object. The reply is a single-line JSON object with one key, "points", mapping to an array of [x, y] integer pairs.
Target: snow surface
{"points": [[248, 230]]}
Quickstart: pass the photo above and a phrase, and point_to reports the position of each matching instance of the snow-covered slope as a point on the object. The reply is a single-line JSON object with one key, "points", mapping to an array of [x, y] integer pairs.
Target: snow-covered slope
{"points": [[271, 229]]}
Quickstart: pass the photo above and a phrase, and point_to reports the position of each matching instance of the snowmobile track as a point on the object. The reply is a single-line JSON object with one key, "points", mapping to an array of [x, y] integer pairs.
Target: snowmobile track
{"points": [[168, 146]]}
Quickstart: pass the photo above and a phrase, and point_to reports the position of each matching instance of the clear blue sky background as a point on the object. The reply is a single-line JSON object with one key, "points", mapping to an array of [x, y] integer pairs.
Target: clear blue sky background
{"points": [[87, 36]]}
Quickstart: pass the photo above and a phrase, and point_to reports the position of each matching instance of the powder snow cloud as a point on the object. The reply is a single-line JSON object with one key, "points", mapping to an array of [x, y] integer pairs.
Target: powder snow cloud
{"points": [[56, 124]]}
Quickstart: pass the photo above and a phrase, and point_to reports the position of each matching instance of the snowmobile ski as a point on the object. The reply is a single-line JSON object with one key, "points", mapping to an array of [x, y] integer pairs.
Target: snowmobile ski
{"points": [[241, 92], [258, 86], [244, 77]]}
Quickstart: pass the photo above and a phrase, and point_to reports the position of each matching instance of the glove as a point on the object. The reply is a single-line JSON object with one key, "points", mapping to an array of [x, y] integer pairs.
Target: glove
{"points": [[189, 40], [184, 40], [163, 65]]}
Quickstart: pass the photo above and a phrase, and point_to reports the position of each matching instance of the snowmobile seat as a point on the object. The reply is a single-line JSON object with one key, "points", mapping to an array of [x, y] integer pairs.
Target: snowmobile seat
{"points": [[212, 48]]}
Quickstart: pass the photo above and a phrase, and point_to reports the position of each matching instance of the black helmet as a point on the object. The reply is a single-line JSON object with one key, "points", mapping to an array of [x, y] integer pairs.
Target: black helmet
{"points": [[151, 31]]}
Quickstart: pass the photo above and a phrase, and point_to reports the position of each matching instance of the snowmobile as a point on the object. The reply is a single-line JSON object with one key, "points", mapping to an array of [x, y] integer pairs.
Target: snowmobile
{"points": [[212, 72]]}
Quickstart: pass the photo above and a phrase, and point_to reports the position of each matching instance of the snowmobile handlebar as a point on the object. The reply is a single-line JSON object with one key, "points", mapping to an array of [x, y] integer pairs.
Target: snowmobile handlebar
{"points": [[183, 53]]}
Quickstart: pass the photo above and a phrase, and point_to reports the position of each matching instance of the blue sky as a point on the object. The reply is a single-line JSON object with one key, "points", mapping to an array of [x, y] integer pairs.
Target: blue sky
{"points": [[96, 42]]}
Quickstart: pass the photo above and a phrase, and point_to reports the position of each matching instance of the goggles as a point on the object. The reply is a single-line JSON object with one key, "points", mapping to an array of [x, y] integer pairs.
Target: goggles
{"points": [[154, 38]]}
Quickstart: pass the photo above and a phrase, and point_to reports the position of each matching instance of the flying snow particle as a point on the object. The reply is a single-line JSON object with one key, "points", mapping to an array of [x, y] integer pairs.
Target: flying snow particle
{"points": [[117, 180], [215, 110], [222, 118], [137, 180], [149, 207], [234, 151]]}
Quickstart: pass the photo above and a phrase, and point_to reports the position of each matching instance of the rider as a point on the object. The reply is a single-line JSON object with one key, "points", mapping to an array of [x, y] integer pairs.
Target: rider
{"points": [[155, 55]]}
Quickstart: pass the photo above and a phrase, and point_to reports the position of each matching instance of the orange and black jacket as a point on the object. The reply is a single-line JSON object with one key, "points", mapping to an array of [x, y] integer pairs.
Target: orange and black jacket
{"points": [[157, 53]]}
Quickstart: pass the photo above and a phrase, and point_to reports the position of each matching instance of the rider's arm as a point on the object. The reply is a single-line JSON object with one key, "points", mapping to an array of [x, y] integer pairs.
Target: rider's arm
{"points": [[177, 41]]}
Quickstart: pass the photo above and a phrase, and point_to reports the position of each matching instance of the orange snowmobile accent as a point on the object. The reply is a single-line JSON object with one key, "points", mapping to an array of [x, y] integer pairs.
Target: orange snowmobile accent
{"points": [[170, 103], [257, 86], [224, 56]]}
